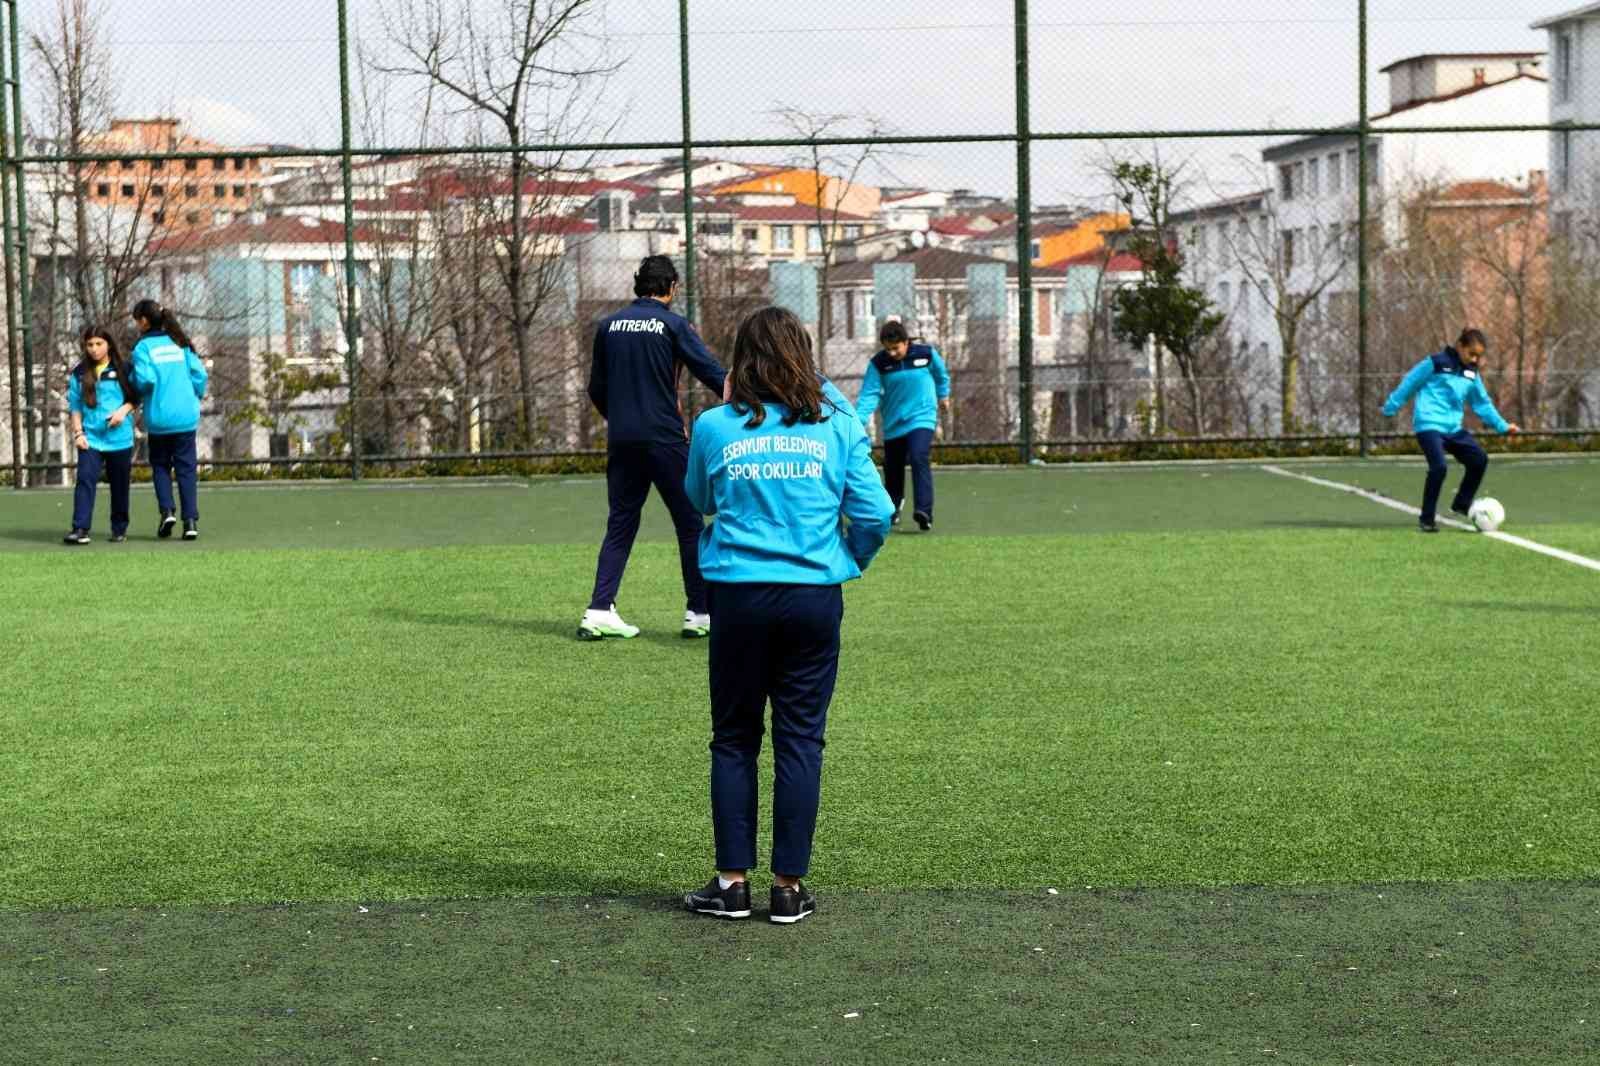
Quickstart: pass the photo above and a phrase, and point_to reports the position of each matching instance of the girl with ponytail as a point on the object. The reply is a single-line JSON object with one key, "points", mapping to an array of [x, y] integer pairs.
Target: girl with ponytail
{"points": [[172, 380]]}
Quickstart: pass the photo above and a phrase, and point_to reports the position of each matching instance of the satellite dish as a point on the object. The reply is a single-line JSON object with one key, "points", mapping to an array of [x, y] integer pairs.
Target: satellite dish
{"points": [[934, 239], [918, 239]]}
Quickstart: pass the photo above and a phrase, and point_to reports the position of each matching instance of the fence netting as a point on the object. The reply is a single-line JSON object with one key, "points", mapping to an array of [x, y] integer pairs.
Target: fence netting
{"points": [[390, 226]]}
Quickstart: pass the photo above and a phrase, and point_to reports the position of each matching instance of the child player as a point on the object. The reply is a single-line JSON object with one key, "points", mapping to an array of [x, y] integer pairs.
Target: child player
{"points": [[908, 385]]}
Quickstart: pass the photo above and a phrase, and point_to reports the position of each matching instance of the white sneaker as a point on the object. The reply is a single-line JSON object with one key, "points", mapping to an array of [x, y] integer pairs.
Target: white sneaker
{"points": [[696, 626], [598, 625]]}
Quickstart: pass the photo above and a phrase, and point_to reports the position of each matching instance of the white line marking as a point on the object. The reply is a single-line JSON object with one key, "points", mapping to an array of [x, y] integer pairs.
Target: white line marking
{"points": [[1521, 542]]}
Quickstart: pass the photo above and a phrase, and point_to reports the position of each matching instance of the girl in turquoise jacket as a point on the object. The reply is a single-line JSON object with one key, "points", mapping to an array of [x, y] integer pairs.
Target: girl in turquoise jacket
{"points": [[172, 380], [101, 399], [798, 510]]}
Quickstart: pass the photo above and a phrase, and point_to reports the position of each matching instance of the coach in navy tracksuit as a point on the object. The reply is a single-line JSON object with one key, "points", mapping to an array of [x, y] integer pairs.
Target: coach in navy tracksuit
{"points": [[633, 384]]}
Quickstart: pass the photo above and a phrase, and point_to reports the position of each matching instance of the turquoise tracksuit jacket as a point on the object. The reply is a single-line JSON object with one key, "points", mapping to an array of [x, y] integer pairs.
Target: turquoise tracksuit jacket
{"points": [[909, 390], [172, 380], [778, 493], [109, 395], [1443, 385]]}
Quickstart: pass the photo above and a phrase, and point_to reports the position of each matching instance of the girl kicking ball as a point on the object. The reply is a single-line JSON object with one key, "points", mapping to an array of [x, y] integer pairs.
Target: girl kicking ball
{"points": [[777, 466], [1443, 384]]}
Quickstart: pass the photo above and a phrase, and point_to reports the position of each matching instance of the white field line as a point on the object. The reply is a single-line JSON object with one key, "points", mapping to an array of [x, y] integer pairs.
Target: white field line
{"points": [[1520, 542]]}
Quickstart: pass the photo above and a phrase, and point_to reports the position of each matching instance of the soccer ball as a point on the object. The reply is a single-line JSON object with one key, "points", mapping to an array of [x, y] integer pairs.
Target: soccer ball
{"points": [[1487, 514]]}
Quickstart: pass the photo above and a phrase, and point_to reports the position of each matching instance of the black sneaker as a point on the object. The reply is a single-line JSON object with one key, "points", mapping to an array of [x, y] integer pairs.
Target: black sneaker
{"points": [[191, 529], [118, 538], [719, 902], [77, 536], [1426, 526], [1464, 512], [168, 521], [894, 519], [924, 520], [789, 905]]}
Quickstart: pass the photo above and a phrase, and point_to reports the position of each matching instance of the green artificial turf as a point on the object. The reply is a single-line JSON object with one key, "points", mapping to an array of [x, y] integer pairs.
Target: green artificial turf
{"points": [[1134, 678]]}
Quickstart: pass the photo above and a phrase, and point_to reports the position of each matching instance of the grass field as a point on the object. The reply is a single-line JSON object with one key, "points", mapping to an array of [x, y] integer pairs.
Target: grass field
{"points": [[336, 784]]}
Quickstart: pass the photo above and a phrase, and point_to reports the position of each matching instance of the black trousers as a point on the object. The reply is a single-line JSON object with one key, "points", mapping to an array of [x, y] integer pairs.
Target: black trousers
{"points": [[172, 455], [630, 471], [1468, 451], [118, 469], [777, 643], [917, 447]]}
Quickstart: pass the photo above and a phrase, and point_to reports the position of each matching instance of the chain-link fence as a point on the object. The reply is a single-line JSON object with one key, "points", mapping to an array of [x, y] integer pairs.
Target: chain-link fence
{"points": [[390, 226]]}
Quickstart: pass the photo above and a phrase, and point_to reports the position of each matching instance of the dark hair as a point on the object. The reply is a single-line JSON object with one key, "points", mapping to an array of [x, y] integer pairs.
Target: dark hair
{"points": [[161, 321], [772, 364], [1471, 336], [656, 276], [893, 333], [89, 381]]}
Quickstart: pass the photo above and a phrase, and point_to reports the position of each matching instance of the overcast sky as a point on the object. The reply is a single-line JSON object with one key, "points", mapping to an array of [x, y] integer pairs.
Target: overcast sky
{"points": [[247, 70]]}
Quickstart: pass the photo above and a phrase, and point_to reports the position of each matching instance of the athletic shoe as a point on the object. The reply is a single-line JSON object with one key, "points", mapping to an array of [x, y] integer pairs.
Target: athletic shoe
{"points": [[77, 536], [598, 625], [168, 521], [1426, 526], [118, 538], [696, 626], [790, 905], [924, 521], [191, 529], [1464, 512], [719, 902], [894, 519]]}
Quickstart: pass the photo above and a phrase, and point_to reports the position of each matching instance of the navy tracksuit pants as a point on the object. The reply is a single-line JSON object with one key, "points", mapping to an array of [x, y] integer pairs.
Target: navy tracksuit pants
{"points": [[777, 643], [118, 469], [917, 447], [630, 471], [1465, 448], [173, 455]]}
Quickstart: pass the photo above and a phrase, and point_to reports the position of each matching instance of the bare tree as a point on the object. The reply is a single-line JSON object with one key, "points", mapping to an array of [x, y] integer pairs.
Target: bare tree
{"points": [[531, 68], [1292, 264], [829, 193]]}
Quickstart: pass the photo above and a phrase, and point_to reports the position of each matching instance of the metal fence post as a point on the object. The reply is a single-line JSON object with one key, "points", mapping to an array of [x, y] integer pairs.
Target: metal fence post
{"points": [[689, 273], [19, 172], [1362, 247], [352, 307], [1024, 239], [7, 237]]}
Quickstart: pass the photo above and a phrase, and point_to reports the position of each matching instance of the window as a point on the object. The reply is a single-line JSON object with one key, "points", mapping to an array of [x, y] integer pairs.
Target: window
{"points": [[158, 190], [1313, 177], [1035, 250], [240, 192], [782, 239], [1351, 169], [302, 285], [751, 234], [1224, 297], [219, 163], [1480, 75], [1562, 159], [191, 190], [1300, 179], [717, 229], [1286, 181], [1202, 246], [192, 217], [191, 164], [1563, 66], [1335, 240], [1335, 174], [814, 239], [1244, 299], [1286, 239], [158, 216], [278, 446], [1224, 239], [1314, 246], [1042, 325], [127, 190], [219, 191], [158, 164], [103, 189], [1373, 159], [852, 233], [238, 162]]}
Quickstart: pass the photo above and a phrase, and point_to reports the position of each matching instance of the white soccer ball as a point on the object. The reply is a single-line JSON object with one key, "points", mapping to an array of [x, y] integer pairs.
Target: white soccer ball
{"points": [[1487, 514]]}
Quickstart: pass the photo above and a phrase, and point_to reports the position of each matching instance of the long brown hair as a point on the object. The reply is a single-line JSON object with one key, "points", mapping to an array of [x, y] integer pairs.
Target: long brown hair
{"points": [[89, 381], [772, 364]]}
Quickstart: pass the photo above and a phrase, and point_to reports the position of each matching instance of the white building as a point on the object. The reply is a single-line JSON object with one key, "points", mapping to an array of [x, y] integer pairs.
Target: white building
{"points": [[1574, 98]]}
